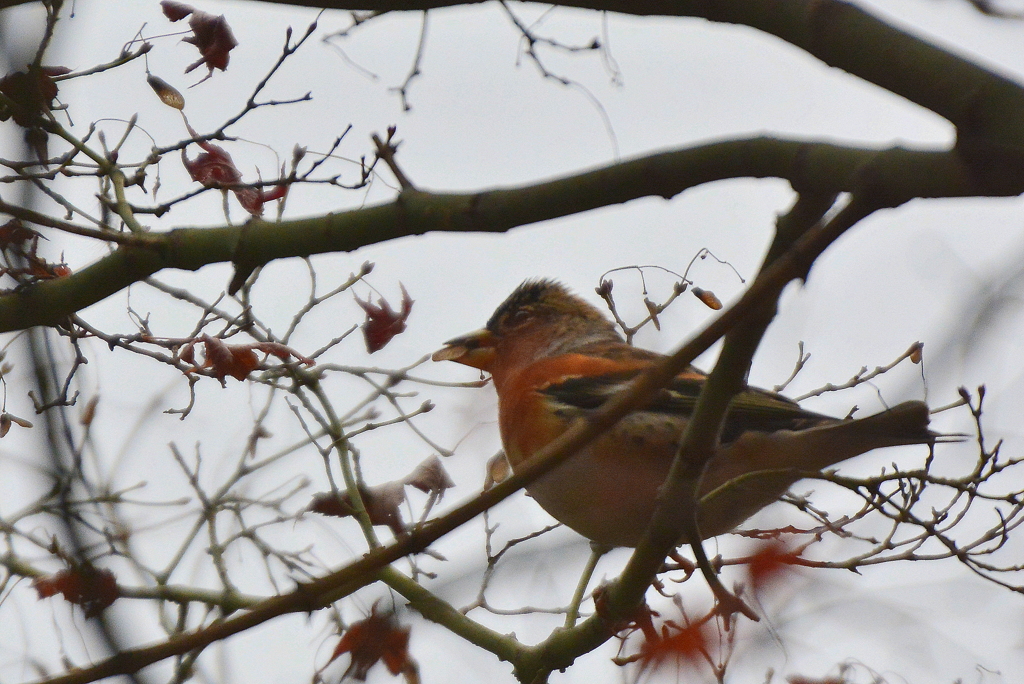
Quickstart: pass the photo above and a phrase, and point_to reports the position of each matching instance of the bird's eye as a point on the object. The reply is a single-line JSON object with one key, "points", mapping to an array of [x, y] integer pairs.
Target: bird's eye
{"points": [[518, 316]]}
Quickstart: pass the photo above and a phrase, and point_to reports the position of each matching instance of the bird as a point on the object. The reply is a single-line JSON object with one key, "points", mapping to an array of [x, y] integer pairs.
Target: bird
{"points": [[554, 358]]}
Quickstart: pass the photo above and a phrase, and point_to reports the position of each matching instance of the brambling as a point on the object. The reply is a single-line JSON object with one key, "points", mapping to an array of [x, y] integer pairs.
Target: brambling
{"points": [[554, 357]]}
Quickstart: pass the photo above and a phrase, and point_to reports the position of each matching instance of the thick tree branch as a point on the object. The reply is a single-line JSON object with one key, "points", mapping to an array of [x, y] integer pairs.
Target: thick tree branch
{"points": [[899, 173]]}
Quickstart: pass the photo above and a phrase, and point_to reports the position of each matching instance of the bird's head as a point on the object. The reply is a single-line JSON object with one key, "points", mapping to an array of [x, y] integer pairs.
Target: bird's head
{"points": [[541, 318]]}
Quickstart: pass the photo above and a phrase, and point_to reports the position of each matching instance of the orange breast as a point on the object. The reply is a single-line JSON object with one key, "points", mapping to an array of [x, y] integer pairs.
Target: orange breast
{"points": [[527, 418]]}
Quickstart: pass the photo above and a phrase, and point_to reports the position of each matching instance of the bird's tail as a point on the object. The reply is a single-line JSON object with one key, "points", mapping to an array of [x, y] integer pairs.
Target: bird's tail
{"points": [[826, 445], [757, 468]]}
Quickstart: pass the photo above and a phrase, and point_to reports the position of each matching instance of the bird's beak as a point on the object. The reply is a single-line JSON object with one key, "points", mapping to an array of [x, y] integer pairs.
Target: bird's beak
{"points": [[475, 349]]}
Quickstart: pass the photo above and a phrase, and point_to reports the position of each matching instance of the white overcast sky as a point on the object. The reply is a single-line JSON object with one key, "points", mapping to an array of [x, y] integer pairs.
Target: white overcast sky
{"points": [[482, 116]]}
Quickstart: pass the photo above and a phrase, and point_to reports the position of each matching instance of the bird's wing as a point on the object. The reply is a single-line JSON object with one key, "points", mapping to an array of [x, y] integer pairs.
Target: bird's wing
{"points": [[751, 410]]}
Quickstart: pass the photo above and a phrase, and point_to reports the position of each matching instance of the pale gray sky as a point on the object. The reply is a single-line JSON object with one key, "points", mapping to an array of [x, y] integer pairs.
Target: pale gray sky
{"points": [[478, 120]]}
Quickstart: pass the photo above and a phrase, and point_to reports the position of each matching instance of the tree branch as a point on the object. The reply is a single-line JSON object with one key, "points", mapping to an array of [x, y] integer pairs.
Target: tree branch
{"points": [[900, 174], [562, 648]]}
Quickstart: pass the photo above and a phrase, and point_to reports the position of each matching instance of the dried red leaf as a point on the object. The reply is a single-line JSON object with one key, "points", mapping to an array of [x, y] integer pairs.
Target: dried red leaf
{"points": [[187, 353], [212, 168], [50, 585], [15, 233], [381, 504], [282, 352], [176, 11], [24, 242], [84, 585], [770, 564], [31, 92], [210, 34], [685, 646], [431, 477], [214, 39], [378, 637], [38, 141], [383, 322], [215, 168], [229, 359], [235, 360], [329, 504], [252, 199], [44, 270], [275, 193]]}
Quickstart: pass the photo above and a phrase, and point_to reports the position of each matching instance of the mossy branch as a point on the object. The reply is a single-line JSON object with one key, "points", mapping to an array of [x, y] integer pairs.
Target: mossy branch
{"points": [[897, 173]]}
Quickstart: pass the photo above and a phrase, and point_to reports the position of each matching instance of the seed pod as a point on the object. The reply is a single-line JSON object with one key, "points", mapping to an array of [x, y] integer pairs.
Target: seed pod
{"points": [[916, 352], [708, 297], [167, 93]]}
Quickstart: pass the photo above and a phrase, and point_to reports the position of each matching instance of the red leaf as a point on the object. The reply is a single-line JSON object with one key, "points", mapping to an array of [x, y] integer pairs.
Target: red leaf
{"points": [[329, 504], [276, 193], [251, 200], [430, 477], [770, 564], [32, 93], [60, 270], [381, 505], [213, 37], [44, 270], [86, 586], [176, 10], [378, 637], [187, 353], [225, 359], [382, 322], [14, 232], [685, 646], [213, 167], [210, 34], [282, 352], [235, 360]]}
